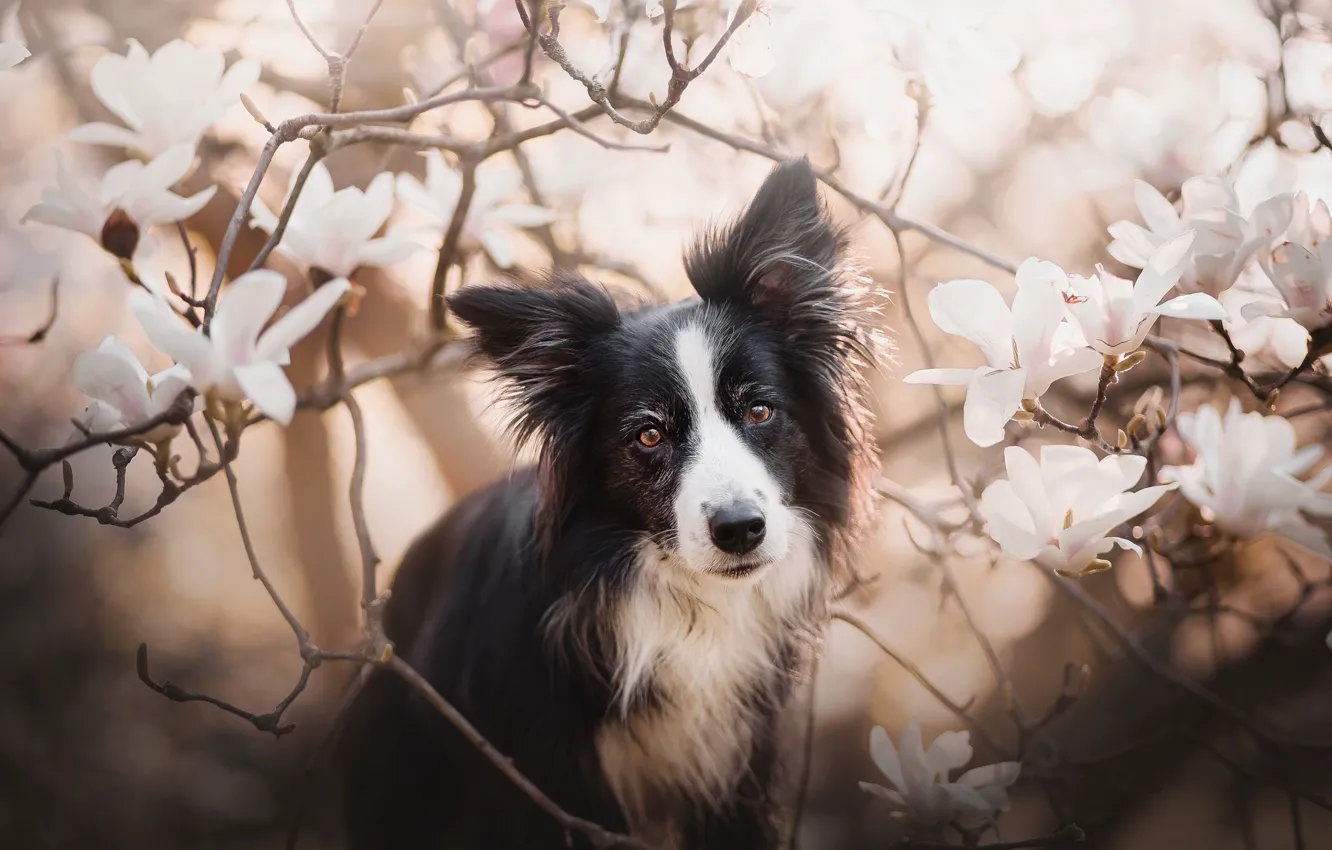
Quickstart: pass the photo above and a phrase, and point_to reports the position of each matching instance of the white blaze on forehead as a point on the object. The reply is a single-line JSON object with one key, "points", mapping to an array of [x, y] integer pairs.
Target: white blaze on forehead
{"points": [[721, 468]]}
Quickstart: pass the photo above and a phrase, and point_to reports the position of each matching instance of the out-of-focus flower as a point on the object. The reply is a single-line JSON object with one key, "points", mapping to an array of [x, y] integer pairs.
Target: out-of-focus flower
{"points": [[1026, 348], [238, 359], [133, 197], [123, 394], [489, 216], [1225, 240], [1299, 269], [1116, 314], [945, 46], [333, 231], [170, 98], [11, 54], [919, 777], [1268, 343], [1245, 476], [1058, 512]]}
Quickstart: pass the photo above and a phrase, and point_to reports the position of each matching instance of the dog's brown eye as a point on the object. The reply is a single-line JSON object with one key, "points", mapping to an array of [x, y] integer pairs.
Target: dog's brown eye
{"points": [[650, 437], [759, 413]]}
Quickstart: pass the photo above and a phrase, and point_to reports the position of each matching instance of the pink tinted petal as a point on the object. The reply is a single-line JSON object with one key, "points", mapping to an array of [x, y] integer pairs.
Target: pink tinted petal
{"points": [[1163, 271], [170, 334], [942, 377], [1133, 245], [245, 308], [108, 377], [975, 310], [101, 133]]}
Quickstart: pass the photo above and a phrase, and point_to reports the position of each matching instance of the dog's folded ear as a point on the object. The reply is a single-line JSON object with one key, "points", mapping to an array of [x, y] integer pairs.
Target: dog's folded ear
{"points": [[537, 336]]}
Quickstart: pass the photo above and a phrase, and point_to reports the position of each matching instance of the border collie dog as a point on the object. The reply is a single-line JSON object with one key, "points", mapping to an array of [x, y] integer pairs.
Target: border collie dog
{"points": [[628, 621]]}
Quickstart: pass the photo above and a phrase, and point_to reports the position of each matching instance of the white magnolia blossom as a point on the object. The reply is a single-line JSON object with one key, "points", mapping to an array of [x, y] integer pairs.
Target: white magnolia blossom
{"points": [[946, 46], [1300, 269], [11, 54], [1245, 476], [919, 777], [1116, 314], [1268, 343], [1026, 348], [1058, 512], [333, 231], [133, 196], [1225, 240], [489, 217], [123, 394], [238, 359], [167, 99]]}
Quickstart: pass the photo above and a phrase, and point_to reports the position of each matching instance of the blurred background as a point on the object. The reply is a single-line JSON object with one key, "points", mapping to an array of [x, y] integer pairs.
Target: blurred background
{"points": [[1028, 120]]}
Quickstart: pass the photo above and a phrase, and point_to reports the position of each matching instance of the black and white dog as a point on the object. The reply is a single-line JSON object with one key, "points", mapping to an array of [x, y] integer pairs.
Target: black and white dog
{"points": [[627, 621]]}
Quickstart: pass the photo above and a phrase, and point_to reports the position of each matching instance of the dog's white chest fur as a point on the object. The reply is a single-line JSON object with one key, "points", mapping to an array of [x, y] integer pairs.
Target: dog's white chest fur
{"points": [[708, 648]]}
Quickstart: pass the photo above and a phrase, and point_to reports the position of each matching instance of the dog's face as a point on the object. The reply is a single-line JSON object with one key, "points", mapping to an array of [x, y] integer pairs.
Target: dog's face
{"points": [[720, 430], [700, 438]]}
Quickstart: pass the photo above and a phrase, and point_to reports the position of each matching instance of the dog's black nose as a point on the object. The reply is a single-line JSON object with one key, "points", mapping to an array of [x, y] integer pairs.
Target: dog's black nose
{"points": [[737, 528]]}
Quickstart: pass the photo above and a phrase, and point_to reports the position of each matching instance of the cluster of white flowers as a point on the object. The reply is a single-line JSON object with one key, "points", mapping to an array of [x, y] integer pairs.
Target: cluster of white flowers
{"points": [[921, 788], [167, 101], [1059, 512]]}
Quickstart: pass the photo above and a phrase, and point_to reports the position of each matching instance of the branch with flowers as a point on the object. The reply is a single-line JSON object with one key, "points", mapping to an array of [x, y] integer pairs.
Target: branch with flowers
{"points": [[1185, 487]]}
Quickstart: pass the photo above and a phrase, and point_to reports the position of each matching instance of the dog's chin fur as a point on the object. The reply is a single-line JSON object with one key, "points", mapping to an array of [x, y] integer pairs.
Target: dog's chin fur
{"points": [[594, 619]]}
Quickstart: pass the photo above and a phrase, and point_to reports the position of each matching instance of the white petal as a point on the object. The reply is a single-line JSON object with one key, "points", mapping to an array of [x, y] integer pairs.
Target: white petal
{"points": [[170, 334], [112, 79], [522, 215], [885, 757], [968, 801], [101, 133], [911, 751], [943, 377], [948, 752], [884, 794], [1162, 272], [300, 320], [993, 396], [107, 376], [1157, 212], [751, 48], [497, 246], [1004, 774], [1133, 245], [245, 308], [385, 251], [1195, 305], [11, 54], [1009, 522], [267, 386], [975, 310]]}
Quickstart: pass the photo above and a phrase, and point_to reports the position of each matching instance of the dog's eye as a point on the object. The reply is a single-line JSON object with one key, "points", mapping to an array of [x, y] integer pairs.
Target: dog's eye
{"points": [[759, 413], [650, 437]]}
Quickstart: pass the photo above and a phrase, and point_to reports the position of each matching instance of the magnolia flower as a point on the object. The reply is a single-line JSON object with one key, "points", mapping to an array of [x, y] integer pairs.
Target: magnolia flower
{"points": [[334, 231], [170, 98], [11, 54], [1058, 512], [488, 216], [123, 394], [133, 197], [238, 359], [1245, 476], [1115, 314], [1225, 240], [919, 777], [1269, 344], [750, 47], [1300, 270], [1026, 348]]}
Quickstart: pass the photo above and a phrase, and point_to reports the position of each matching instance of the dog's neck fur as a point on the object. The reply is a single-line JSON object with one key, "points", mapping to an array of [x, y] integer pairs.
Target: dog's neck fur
{"points": [[700, 666]]}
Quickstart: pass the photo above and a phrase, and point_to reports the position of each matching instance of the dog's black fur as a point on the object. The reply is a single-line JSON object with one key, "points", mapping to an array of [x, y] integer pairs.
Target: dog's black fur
{"points": [[509, 604]]}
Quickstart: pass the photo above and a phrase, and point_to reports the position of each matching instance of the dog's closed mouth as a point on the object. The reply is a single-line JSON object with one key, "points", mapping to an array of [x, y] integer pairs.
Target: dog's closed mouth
{"points": [[740, 570]]}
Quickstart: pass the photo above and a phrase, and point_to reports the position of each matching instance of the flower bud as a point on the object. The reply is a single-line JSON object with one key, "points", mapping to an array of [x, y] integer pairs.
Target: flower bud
{"points": [[1128, 361], [120, 235]]}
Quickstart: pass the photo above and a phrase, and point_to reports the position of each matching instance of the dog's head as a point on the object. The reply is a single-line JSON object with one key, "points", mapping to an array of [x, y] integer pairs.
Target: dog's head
{"points": [[720, 429]]}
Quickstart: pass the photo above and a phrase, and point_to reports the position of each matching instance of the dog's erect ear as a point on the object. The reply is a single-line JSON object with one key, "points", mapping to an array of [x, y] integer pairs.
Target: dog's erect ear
{"points": [[783, 250], [537, 337]]}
